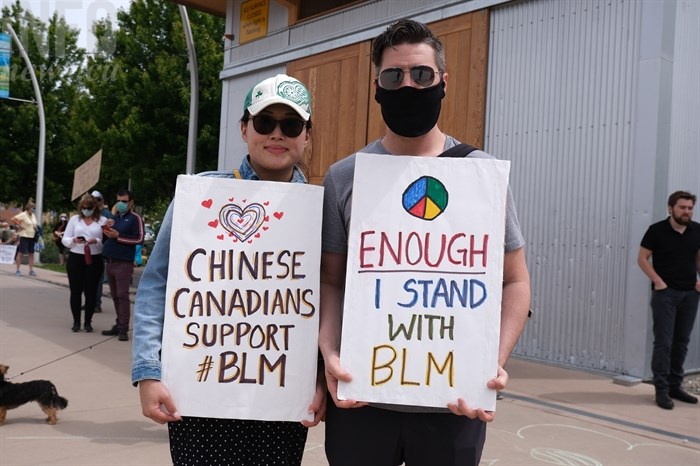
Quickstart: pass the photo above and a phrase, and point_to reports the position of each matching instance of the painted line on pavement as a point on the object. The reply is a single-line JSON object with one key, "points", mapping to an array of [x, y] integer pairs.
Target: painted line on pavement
{"points": [[601, 417]]}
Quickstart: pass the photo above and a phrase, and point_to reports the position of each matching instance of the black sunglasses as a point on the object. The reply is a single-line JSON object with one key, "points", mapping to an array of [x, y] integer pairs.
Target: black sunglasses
{"points": [[391, 78], [291, 127]]}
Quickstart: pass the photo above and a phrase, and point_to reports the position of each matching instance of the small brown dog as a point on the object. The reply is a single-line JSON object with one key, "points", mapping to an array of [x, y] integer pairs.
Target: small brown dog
{"points": [[13, 395]]}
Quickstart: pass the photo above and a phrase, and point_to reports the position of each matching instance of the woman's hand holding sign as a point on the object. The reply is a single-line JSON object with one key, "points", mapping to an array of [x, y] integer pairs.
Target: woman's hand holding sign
{"points": [[156, 402]]}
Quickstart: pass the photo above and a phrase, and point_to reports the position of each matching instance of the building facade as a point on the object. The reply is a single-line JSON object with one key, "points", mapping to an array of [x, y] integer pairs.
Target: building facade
{"points": [[596, 104]]}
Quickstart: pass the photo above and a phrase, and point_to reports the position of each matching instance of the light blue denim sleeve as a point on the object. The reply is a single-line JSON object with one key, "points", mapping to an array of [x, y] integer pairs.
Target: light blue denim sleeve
{"points": [[149, 309]]}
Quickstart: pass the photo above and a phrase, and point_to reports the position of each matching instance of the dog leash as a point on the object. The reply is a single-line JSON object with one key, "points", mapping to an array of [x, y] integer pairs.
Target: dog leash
{"points": [[58, 359]]}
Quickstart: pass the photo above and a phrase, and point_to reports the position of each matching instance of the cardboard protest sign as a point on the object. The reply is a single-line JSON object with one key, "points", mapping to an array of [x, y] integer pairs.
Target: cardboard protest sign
{"points": [[241, 320], [87, 175], [422, 303], [8, 253]]}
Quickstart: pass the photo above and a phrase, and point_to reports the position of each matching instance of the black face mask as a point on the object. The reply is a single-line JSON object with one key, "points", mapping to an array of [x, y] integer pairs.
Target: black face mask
{"points": [[411, 112]]}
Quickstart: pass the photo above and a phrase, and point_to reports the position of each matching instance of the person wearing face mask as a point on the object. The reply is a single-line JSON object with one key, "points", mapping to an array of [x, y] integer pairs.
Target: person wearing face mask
{"points": [[276, 127], [411, 83], [28, 228], [83, 237], [58, 230], [123, 232]]}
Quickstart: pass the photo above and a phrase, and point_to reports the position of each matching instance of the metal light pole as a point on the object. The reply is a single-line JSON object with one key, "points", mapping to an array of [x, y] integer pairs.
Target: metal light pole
{"points": [[194, 93], [42, 127]]}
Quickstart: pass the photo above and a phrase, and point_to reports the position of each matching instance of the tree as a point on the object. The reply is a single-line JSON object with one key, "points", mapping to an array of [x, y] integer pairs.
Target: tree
{"points": [[56, 58], [129, 98], [135, 105]]}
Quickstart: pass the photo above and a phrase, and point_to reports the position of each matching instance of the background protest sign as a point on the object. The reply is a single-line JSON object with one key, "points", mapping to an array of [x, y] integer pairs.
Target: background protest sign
{"points": [[241, 319], [7, 253], [422, 303], [87, 175]]}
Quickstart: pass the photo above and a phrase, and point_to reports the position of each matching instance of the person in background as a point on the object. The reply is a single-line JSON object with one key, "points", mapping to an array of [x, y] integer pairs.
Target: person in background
{"points": [[106, 213], [410, 85], [673, 246], [123, 232], [58, 230], [276, 127], [28, 232], [7, 234], [83, 237]]}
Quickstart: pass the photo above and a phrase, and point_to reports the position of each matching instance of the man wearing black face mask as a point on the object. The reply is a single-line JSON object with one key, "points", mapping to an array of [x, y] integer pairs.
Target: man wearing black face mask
{"points": [[410, 85], [123, 233]]}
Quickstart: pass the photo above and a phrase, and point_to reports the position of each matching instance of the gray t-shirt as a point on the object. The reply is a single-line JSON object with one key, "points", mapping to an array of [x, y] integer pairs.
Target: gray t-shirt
{"points": [[337, 200]]}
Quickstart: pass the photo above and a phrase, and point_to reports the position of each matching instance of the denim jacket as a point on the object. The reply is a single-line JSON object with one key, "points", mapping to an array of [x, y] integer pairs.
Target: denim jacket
{"points": [[149, 309]]}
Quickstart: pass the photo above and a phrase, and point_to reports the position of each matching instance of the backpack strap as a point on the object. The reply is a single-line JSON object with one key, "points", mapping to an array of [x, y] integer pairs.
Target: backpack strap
{"points": [[458, 151]]}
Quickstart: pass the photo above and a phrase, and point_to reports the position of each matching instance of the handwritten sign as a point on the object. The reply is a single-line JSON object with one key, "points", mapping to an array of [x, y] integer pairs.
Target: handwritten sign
{"points": [[87, 175], [241, 319], [254, 16], [7, 253], [423, 288]]}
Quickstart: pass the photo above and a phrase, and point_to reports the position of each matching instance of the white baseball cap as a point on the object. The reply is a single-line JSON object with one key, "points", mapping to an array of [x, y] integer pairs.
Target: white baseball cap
{"points": [[97, 194], [280, 89]]}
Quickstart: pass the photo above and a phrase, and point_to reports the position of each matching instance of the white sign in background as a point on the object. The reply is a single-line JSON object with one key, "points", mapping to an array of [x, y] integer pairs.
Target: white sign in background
{"points": [[241, 319], [7, 254], [424, 279]]}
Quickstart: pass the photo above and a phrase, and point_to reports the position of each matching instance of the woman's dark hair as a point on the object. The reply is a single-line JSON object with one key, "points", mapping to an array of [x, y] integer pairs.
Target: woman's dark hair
{"points": [[407, 31]]}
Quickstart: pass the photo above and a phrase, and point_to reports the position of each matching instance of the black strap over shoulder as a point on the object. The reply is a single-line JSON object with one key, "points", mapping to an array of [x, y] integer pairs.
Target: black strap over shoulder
{"points": [[458, 151]]}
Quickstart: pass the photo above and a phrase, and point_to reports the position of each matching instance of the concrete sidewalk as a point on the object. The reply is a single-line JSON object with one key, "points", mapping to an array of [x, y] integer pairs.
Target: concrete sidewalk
{"points": [[549, 415]]}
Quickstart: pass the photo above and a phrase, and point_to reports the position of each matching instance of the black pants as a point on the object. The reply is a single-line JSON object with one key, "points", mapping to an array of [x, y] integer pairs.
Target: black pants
{"points": [[83, 280], [381, 437], [674, 314]]}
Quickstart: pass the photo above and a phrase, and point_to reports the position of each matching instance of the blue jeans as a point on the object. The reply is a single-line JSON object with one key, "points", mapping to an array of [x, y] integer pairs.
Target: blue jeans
{"points": [[674, 314]]}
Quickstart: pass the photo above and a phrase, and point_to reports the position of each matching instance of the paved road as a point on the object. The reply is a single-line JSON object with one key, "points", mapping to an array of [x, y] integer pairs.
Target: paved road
{"points": [[549, 415]]}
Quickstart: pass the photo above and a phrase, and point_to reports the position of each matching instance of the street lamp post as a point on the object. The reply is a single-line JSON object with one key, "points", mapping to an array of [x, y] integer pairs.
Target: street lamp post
{"points": [[42, 127], [194, 93]]}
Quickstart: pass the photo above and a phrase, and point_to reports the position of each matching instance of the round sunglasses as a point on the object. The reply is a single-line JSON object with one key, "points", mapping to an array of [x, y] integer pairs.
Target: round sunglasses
{"points": [[391, 78], [291, 127]]}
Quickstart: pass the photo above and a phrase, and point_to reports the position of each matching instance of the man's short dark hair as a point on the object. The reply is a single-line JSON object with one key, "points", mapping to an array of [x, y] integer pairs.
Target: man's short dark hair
{"points": [[674, 197], [407, 31], [124, 192]]}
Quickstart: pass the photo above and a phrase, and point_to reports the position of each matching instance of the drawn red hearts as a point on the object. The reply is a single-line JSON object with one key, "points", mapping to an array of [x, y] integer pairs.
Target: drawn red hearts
{"points": [[230, 199], [207, 203], [214, 223], [266, 228], [267, 218], [278, 215], [221, 237], [266, 203], [257, 235]]}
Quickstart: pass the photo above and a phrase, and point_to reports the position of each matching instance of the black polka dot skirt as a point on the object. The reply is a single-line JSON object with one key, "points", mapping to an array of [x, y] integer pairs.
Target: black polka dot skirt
{"points": [[228, 442]]}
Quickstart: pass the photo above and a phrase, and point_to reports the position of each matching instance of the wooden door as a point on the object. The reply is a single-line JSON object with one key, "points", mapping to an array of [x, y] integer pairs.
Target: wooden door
{"points": [[345, 115], [339, 89]]}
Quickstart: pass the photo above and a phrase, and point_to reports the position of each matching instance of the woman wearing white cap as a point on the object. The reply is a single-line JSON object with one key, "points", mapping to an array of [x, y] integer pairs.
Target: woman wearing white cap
{"points": [[276, 126]]}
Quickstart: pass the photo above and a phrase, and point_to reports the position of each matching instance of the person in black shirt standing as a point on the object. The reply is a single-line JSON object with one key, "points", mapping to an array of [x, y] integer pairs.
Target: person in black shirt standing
{"points": [[674, 248]]}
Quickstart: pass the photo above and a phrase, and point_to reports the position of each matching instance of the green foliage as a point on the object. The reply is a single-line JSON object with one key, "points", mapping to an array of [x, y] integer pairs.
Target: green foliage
{"points": [[130, 98]]}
